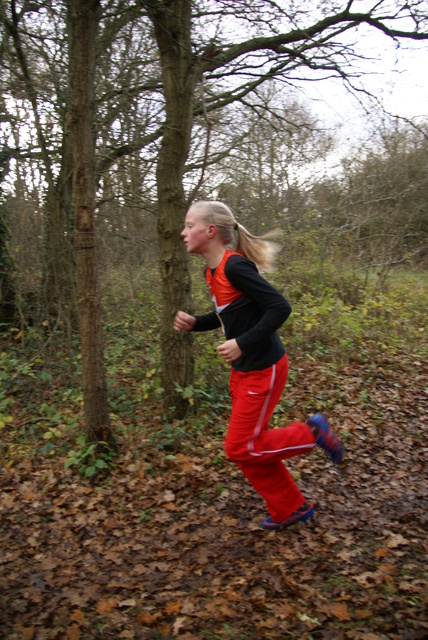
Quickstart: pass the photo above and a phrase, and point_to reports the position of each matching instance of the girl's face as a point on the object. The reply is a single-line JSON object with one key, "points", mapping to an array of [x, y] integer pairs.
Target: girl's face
{"points": [[196, 233]]}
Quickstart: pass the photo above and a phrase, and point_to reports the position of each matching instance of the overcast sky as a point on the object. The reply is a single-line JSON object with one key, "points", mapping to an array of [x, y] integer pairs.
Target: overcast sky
{"points": [[398, 78]]}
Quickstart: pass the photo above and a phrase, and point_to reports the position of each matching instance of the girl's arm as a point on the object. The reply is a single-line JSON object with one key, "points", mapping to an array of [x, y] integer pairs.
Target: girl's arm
{"points": [[185, 322], [244, 276], [207, 322]]}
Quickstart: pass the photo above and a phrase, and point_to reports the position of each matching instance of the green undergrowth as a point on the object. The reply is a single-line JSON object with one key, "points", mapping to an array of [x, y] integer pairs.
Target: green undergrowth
{"points": [[392, 322], [40, 382]]}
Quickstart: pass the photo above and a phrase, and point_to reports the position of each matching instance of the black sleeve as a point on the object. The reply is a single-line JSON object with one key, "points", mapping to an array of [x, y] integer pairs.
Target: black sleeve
{"points": [[243, 275], [207, 322]]}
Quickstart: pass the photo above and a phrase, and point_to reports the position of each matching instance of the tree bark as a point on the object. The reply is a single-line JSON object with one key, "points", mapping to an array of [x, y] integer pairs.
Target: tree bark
{"points": [[59, 274], [84, 19], [7, 288], [180, 73]]}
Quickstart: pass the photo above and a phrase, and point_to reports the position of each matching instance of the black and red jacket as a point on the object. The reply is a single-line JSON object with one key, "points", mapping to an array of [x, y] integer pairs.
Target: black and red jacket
{"points": [[248, 309]]}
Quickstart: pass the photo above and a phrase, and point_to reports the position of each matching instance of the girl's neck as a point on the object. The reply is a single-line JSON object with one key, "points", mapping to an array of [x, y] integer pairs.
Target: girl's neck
{"points": [[214, 256]]}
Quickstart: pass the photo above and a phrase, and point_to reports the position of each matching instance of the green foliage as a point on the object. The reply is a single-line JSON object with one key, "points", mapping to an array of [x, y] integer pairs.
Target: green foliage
{"points": [[13, 368], [90, 458], [204, 396], [146, 516], [337, 318], [13, 371], [171, 437], [391, 320]]}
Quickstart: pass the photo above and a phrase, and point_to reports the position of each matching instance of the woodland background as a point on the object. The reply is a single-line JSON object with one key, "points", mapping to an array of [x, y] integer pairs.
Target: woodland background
{"points": [[149, 532]]}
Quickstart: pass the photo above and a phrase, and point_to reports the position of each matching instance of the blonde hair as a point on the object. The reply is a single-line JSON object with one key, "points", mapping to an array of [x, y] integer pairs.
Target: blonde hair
{"points": [[260, 249]]}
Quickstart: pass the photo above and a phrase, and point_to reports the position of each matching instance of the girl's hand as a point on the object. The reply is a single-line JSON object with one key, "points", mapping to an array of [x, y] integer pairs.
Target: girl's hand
{"points": [[184, 321], [229, 351]]}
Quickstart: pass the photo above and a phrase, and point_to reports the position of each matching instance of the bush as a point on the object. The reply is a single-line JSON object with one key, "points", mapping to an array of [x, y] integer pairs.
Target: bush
{"points": [[391, 320]]}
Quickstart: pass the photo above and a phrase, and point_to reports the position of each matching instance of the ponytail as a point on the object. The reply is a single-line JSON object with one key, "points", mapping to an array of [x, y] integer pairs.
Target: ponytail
{"points": [[260, 249]]}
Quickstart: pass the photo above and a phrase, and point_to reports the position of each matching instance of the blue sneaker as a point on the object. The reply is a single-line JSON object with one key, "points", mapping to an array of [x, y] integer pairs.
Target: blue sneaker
{"points": [[326, 438], [301, 515]]}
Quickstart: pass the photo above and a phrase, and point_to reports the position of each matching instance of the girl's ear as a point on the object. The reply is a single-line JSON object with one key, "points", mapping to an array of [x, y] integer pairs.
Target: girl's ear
{"points": [[211, 231]]}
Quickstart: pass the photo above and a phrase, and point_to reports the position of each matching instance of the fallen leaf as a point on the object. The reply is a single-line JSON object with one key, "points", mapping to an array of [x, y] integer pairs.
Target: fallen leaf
{"points": [[148, 618], [395, 540], [77, 616], [127, 603], [178, 624], [105, 606], [27, 632], [340, 611], [168, 496], [173, 607], [163, 629], [285, 611], [73, 632]]}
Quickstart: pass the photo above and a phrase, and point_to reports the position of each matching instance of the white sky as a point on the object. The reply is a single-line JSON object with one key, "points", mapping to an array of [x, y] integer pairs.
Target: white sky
{"points": [[398, 78]]}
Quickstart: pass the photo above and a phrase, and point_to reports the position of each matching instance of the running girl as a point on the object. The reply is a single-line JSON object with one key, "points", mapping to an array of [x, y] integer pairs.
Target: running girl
{"points": [[250, 311]]}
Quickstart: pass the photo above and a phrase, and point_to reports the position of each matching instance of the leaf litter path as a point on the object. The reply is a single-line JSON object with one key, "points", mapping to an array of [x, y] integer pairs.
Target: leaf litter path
{"points": [[170, 547]]}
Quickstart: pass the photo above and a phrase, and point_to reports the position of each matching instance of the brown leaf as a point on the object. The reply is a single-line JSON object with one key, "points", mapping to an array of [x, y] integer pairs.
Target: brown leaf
{"points": [[170, 506], [148, 618], [173, 607], [77, 616], [395, 540], [188, 607], [284, 611], [105, 606], [367, 579], [178, 624], [163, 628], [114, 557], [340, 611], [27, 632], [168, 496], [127, 603], [268, 623], [73, 632], [139, 569]]}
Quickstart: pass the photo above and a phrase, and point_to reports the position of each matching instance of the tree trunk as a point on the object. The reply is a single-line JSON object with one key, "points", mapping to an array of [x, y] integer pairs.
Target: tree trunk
{"points": [[84, 21], [180, 73], [59, 273], [7, 288]]}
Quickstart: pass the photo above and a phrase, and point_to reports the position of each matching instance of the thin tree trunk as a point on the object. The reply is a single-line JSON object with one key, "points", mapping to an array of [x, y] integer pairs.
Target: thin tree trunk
{"points": [[7, 287], [59, 281], [84, 20]]}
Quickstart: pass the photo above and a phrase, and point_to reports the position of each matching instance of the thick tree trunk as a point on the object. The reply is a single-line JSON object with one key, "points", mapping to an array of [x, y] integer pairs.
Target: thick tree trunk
{"points": [[84, 23], [180, 73]]}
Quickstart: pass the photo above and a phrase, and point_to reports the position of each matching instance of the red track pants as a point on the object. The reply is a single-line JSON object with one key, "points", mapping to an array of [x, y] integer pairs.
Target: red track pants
{"points": [[259, 451]]}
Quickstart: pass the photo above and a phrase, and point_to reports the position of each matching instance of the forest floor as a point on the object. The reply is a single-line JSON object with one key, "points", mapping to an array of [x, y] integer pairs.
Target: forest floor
{"points": [[169, 545]]}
